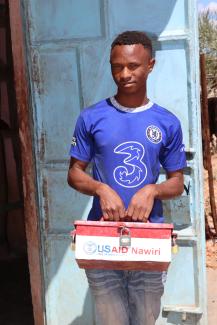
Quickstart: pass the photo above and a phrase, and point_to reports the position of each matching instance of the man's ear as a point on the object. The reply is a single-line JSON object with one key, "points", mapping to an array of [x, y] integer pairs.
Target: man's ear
{"points": [[151, 64]]}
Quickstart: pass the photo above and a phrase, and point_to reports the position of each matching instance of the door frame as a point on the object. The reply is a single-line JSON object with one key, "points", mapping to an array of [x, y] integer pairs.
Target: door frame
{"points": [[31, 213]]}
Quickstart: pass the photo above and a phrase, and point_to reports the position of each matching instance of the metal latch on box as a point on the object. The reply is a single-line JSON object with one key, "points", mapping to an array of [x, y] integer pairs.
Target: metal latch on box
{"points": [[73, 235], [125, 237], [175, 247]]}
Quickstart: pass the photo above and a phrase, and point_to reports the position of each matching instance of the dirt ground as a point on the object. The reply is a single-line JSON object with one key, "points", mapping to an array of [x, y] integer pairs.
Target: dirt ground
{"points": [[211, 250]]}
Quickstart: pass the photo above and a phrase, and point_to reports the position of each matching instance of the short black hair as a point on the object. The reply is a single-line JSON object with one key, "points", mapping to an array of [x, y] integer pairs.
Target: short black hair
{"points": [[133, 37]]}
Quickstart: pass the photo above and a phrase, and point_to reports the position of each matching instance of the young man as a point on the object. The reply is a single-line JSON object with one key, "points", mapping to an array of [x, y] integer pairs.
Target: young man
{"points": [[127, 138]]}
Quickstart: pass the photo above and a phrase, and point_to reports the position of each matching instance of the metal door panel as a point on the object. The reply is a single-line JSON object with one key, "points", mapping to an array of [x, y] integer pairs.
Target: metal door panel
{"points": [[68, 286], [59, 20], [60, 213], [178, 210], [163, 82], [68, 46], [97, 82], [55, 76], [174, 292], [155, 17]]}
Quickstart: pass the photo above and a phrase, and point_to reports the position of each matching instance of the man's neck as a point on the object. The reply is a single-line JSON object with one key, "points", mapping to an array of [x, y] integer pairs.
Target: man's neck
{"points": [[131, 100]]}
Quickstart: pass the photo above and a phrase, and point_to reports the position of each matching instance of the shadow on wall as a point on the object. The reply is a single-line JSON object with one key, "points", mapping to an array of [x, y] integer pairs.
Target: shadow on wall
{"points": [[212, 107], [85, 317]]}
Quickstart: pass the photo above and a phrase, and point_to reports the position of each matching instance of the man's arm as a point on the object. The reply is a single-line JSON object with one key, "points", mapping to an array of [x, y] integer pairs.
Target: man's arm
{"points": [[111, 204], [142, 202]]}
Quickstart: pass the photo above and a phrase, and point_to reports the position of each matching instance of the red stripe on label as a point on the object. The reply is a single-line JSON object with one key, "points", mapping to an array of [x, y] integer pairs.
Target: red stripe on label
{"points": [[87, 230]]}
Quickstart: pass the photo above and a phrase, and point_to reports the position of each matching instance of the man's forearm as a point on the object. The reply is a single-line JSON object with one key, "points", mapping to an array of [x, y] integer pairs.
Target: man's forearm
{"points": [[142, 202], [111, 204], [169, 189], [82, 182]]}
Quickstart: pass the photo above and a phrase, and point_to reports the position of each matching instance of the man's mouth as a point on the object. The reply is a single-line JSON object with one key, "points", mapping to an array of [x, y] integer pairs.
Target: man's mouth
{"points": [[127, 84]]}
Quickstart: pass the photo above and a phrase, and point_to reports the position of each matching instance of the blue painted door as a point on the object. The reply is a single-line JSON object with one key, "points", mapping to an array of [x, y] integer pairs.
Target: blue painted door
{"points": [[68, 44]]}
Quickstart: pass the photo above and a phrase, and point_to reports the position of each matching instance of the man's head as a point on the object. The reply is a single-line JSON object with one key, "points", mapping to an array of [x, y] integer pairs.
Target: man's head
{"points": [[131, 61], [133, 37]]}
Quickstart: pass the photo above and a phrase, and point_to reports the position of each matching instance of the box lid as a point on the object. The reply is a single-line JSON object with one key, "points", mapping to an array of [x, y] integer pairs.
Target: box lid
{"points": [[123, 224]]}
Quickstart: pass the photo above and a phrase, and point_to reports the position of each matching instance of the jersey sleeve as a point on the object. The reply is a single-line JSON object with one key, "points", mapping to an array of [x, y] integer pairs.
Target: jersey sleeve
{"points": [[82, 142], [173, 156]]}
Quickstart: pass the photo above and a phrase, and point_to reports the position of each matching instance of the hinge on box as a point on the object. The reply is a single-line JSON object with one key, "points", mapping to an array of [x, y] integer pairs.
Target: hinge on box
{"points": [[184, 310]]}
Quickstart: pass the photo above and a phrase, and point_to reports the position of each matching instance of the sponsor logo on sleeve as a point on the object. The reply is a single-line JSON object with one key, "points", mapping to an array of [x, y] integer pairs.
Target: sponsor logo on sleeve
{"points": [[73, 143]]}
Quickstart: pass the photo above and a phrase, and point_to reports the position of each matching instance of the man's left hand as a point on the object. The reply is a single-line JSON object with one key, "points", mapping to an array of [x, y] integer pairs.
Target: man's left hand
{"points": [[141, 204]]}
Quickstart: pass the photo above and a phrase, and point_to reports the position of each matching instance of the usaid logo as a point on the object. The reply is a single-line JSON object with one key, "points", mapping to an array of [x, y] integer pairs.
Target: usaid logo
{"points": [[90, 247]]}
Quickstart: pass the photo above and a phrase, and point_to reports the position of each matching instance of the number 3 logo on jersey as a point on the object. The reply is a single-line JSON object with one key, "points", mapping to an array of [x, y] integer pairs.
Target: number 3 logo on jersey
{"points": [[133, 171]]}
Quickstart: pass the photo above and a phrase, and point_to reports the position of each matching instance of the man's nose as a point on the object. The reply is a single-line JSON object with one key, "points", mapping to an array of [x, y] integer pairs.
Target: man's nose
{"points": [[125, 74]]}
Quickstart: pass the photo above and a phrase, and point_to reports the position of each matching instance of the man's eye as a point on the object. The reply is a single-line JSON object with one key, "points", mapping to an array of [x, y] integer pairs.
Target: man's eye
{"points": [[133, 66], [116, 67]]}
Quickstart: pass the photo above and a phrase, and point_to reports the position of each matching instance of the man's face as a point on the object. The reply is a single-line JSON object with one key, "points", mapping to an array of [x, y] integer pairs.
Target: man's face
{"points": [[130, 66]]}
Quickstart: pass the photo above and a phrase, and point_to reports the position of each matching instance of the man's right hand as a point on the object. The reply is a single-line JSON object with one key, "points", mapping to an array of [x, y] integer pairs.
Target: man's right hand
{"points": [[111, 204]]}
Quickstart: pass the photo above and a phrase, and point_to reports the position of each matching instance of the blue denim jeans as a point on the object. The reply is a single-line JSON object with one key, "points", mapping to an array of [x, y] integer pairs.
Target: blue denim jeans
{"points": [[126, 297]]}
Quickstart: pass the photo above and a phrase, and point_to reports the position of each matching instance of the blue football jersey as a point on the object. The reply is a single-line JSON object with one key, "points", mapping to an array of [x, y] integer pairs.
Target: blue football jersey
{"points": [[127, 149]]}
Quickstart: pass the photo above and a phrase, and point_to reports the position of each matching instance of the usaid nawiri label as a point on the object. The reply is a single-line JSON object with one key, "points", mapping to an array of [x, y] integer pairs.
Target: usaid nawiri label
{"points": [[107, 248]]}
